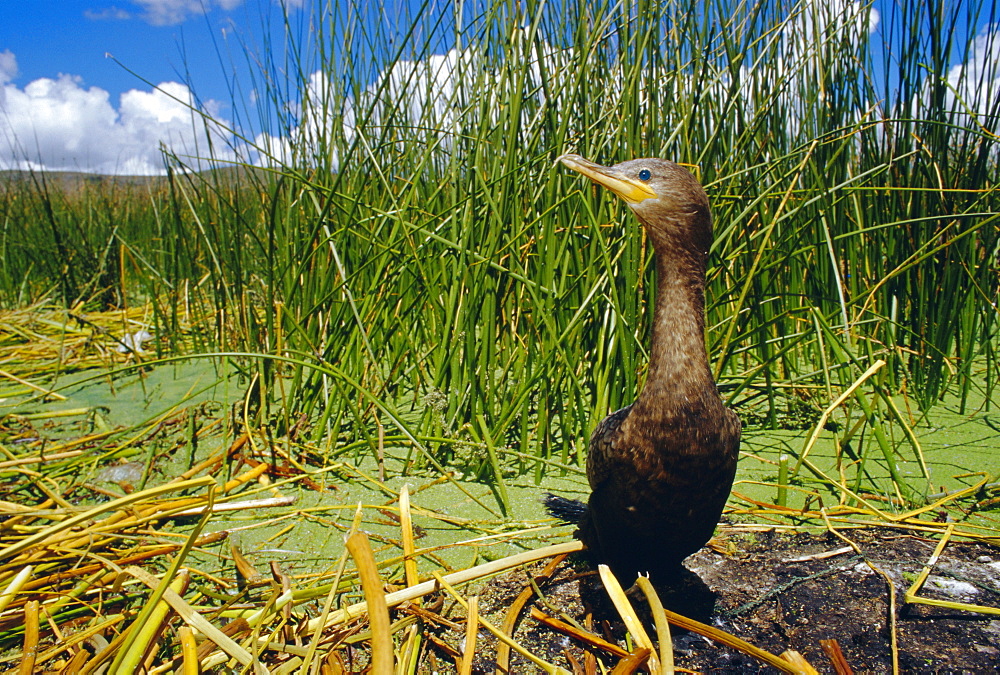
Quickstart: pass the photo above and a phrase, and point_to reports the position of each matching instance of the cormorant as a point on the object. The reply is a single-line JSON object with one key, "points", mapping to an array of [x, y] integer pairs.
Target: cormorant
{"points": [[660, 470]]}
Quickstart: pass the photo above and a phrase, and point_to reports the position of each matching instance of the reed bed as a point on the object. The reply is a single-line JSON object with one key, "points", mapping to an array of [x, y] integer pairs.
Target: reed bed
{"points": [[104, 567], [407, 224], [385, 257], [108, 586]]}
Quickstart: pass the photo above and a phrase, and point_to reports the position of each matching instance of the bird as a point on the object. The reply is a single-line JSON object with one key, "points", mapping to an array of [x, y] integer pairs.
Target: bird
{"points": [[661, 469]]}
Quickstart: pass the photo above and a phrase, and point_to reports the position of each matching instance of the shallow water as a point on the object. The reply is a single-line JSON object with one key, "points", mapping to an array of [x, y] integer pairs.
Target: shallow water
{"points": [[307, 536]]}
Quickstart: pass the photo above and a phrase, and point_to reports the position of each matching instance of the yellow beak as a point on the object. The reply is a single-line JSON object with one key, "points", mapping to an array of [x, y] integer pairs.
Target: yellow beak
{"points": [[629, 189]]}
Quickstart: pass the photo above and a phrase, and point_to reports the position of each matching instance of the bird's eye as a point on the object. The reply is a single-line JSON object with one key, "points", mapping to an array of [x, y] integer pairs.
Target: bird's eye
{"points": [[644, 174]]}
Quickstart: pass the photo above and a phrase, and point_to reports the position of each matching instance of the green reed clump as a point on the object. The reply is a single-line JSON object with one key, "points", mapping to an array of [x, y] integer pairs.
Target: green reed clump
{"points": [[414, 233]]}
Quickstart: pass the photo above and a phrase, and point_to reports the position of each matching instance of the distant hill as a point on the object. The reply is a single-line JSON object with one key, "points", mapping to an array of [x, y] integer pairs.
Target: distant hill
{"points": [[72, 181]]}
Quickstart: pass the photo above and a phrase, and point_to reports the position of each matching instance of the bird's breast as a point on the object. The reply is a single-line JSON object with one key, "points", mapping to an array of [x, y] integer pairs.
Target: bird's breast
{"points": [[667, 452]]}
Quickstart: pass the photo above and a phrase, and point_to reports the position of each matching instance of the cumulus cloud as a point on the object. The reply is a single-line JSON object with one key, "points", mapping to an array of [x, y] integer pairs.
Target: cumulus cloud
{"points": [[8, 66], [61, 125], [107, 14], [316, 120], [968, 93], [162, 12], [419, 100], [816, 28], [805, 61], [973, 86], [433, 100], [428, 101]]}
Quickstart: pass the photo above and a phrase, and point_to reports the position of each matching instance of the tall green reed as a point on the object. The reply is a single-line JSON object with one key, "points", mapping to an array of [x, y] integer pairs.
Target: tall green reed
{"points": [[414, 231]]}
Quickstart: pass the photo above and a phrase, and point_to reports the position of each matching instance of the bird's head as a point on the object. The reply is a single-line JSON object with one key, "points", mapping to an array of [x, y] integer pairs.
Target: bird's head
{"points": [[666, 198]]}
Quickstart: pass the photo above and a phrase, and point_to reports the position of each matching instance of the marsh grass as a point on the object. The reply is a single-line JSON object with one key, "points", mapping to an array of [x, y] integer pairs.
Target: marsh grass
{"points": [[409, 286], [139, 568], [415, 259]]}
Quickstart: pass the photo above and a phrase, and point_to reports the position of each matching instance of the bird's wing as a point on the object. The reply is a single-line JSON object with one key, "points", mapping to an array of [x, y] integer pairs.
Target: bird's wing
{"points": [[603, 447]]}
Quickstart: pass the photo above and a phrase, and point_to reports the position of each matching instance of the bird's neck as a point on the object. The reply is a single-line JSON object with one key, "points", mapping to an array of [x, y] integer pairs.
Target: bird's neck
{"points": [[678, 373]]}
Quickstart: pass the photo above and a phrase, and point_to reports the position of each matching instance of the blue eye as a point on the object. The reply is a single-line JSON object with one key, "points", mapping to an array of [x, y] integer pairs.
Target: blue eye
{"points": [[644, 174]]}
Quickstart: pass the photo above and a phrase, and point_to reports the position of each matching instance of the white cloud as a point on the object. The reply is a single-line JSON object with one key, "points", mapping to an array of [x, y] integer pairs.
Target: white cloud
{"points": [[813, 53], [428, 102], [107, 14], [163, 12], [971, 88], [8, 67], [974, 85], [270, 150], [433, 100], [317, 121], [61, 125], [417, 99], [169, 12]]}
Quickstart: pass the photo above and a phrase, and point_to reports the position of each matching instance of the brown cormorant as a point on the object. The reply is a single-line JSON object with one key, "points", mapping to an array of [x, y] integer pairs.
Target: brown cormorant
{"points": [[660, 469]]}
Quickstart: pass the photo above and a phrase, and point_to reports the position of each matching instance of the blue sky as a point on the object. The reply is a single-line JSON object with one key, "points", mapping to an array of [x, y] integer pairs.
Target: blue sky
{"points": [[72, 42], [73, 36], [73, 108]]}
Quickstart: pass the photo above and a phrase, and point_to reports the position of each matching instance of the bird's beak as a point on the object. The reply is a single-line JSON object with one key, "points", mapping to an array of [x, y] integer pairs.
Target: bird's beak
{"points": [[629, 189]]}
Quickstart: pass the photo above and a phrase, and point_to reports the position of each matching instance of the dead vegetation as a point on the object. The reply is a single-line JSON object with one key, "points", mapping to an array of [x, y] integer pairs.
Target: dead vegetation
{"points": [[133, 578]]}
